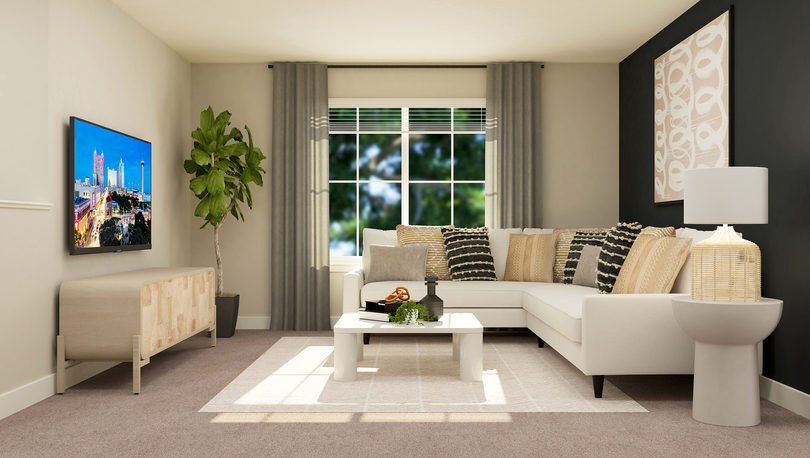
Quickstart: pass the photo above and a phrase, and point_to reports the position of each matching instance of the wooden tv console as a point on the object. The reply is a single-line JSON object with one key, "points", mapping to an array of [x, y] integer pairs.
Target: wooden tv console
{"points": [[131, 316]]}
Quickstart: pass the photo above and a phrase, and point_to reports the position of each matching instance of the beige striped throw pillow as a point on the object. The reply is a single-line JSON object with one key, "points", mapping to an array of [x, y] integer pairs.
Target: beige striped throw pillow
{"points": [[432, 237], [652, 265]]}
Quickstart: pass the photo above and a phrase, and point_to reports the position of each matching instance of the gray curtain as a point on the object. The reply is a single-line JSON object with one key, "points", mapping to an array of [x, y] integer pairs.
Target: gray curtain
{"points": [[299, 230], [514, 158]]}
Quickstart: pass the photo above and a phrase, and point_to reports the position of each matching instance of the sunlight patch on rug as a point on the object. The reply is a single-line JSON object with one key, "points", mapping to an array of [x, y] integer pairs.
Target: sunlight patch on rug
{"points": [[415, 374]]}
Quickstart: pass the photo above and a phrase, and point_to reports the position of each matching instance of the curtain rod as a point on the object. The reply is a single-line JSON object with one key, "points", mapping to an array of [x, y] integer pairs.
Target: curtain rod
{"points": [[406, 66]]}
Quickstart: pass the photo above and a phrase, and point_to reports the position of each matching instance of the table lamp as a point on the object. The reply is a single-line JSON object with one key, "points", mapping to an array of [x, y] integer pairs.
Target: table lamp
{"points": [[726, 267]]}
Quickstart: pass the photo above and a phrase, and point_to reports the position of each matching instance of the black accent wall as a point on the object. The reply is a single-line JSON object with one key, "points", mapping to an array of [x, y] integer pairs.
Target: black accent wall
{"points": [[771, 128]]}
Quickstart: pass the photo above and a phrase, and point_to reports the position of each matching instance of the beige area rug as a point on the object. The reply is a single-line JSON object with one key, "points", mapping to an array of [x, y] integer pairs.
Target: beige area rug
{"points": [[408, 373]]}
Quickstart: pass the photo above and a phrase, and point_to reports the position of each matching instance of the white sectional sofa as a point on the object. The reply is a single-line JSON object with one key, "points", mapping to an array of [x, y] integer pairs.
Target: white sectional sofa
{"points": [[601, 334]]}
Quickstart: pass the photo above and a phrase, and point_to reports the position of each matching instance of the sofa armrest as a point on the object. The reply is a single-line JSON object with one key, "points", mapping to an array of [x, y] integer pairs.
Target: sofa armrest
{"points": [[352, 283], [634, 334]]}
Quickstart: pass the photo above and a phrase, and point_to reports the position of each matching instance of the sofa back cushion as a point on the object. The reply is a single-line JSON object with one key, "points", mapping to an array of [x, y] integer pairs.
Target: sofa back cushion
{"points": [[652, 265], [432, 237], [531, 258], [375, 237], [499, 245]]}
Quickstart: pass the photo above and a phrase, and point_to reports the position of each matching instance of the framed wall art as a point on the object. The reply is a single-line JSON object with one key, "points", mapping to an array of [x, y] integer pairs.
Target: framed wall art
{"points": [[692, 106]]}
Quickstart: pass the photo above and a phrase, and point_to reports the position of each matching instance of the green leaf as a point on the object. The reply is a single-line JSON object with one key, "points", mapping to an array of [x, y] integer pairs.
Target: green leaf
{"points": [[219, 206], [239, 194], [257, 178], [204, 224], [198, 185], [250, 138], [214, 181], [235, 134], [191, 166], [200, 157], [238, 209], [200, 142], [247, 176], [234, 211], [203, 207], [259, 152], [223, 119], [248, 196], [226, 151], [252, 159], [240, 149], [207, 119], [223, 165]]}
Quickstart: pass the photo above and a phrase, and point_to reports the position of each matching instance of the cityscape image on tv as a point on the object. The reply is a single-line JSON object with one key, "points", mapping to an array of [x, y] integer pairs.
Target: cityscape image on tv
{"points": [[112, 201]]}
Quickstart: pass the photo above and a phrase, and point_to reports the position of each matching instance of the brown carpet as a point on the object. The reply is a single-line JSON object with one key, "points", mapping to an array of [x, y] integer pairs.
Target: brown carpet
{"points": [[101, 418]]}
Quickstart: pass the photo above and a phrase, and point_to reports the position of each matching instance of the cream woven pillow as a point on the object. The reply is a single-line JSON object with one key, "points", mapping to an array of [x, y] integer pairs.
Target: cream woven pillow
{"points": [[659, 231], [531, 258], [431, 236], [652, 265]]}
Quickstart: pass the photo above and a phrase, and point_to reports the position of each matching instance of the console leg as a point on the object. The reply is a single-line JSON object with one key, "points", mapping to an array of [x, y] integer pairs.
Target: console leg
{"points": [[598, 384], [136, 364], [540, 342], [60, 364], [212, 332], [366, 339]]}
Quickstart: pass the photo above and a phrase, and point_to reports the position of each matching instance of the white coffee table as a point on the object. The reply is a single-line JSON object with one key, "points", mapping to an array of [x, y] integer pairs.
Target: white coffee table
{"points": [[468, 342]]}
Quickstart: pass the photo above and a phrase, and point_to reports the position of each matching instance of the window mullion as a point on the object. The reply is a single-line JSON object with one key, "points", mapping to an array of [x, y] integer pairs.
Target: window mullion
{"points": [[405, 175], [452, 169]]}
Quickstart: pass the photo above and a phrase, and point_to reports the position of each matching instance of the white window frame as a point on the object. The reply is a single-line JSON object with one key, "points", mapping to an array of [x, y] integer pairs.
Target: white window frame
{"points": [[404, 103]]}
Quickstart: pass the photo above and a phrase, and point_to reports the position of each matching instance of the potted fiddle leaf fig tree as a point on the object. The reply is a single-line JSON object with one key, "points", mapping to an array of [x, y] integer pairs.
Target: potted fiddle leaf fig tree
{"points": [[223, 166]]}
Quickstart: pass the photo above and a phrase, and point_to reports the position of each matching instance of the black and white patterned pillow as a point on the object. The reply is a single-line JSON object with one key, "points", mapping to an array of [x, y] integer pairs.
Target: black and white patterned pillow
{"points": [[618, 242], [581, 238], [468, 254]]}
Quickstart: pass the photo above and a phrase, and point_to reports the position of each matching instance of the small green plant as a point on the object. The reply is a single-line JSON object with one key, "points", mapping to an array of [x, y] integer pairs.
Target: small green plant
{"points": [[403, 314]]}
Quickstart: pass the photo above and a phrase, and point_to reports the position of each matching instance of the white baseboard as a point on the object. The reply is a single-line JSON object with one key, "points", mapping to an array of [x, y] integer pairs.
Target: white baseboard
{"points": [[263, 322], [785, 396], [38, 390], [253, 322]]}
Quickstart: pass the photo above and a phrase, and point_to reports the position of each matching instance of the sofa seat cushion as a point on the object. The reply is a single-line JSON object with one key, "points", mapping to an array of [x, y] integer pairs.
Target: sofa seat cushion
{"points": [[559, 306], [455, 294]]}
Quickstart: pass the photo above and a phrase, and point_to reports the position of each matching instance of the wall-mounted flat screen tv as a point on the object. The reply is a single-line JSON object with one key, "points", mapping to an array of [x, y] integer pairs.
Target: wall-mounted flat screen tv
{"points": [[110, 190]]}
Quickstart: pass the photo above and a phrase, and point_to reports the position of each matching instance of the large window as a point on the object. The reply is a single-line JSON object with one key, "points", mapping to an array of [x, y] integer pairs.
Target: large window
{"points": [[403, 165]]}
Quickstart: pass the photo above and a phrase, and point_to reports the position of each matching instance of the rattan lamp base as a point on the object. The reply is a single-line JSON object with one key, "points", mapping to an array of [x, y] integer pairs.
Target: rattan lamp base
{"points": [[726, 268]]}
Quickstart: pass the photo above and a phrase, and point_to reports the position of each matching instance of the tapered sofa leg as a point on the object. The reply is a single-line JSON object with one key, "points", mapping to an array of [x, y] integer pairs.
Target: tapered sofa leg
{"points": [[366, 338], [598, 384], [540, 342]]}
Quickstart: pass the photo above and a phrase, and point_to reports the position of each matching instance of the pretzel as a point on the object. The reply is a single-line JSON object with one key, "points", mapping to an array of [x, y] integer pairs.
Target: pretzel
{"points": [[400, 293]]}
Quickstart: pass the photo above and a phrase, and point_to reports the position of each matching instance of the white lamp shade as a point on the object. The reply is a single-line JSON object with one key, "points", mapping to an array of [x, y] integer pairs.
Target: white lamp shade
{"points": [[725, 195]]}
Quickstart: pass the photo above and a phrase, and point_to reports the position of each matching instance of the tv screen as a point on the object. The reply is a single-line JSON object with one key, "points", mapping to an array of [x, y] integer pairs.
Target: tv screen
{"points": [[110, 190]]}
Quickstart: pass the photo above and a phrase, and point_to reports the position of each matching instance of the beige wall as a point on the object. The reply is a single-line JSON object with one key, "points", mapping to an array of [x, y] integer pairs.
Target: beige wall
{"points": [[580, 148], [98, 64], [246, 90], [580, 110]]}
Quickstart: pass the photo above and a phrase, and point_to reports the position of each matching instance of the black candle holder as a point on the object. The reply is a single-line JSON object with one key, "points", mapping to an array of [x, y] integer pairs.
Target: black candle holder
{"points": [[432, 302]]}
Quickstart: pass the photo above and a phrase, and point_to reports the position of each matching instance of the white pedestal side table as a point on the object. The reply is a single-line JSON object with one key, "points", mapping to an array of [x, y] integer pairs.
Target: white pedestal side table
{"points": [[726, 390]]}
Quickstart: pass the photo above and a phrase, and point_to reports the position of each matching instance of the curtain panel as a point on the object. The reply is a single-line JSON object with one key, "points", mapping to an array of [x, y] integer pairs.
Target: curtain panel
{"points": [[299, 229], [513, 146]]}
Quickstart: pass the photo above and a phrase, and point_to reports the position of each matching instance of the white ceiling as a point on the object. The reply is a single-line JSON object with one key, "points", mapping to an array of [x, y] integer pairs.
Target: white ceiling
{"points": [[404, 31]]}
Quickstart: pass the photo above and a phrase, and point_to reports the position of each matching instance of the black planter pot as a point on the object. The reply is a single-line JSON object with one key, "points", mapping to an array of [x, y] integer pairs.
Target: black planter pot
{"points": [[227, 312]]}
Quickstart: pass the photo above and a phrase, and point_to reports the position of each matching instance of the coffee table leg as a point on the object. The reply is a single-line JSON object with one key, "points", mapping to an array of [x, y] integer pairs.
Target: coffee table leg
{"points": [[455, 346], [471, 349], [361, 340], [346, 356]]}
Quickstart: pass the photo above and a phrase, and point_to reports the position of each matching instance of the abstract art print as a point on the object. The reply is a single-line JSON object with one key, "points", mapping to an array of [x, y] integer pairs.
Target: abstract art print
{"points": [[692, 94]]}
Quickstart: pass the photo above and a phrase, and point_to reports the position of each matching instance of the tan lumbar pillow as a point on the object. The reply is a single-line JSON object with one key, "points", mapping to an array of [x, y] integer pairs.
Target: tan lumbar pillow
{"points": [[531, 258], [431, 236], [652, 265]]}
